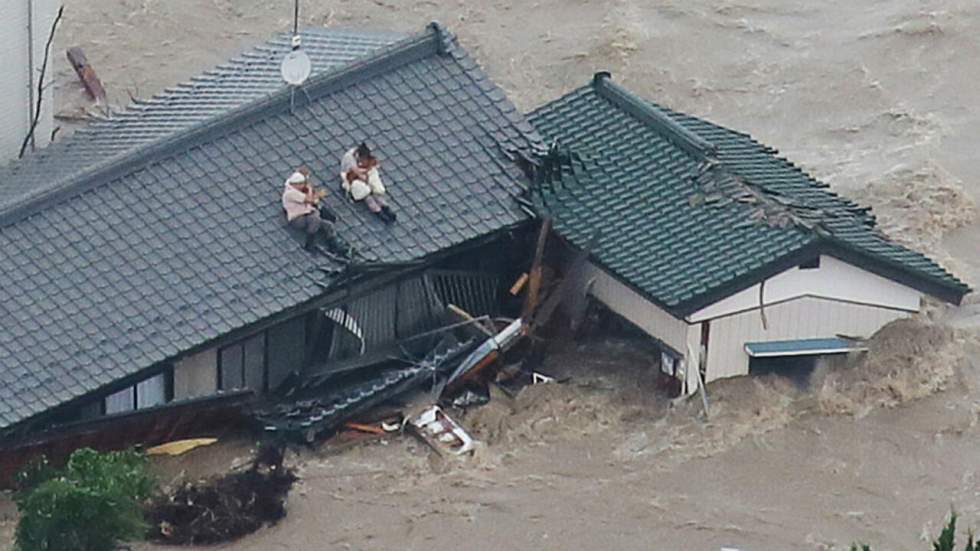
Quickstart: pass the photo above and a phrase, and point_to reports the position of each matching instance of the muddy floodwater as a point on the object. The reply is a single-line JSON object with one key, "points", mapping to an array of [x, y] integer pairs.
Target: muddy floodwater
{"points": [[877, 98]]}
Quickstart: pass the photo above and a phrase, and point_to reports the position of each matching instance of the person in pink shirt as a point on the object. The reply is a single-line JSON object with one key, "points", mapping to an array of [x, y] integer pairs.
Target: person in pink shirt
{"points": [[300, 203]]}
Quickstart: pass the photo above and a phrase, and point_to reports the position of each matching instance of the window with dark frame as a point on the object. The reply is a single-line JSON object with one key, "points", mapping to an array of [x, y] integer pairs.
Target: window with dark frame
{"points": [[243, 364], [152, 391]]}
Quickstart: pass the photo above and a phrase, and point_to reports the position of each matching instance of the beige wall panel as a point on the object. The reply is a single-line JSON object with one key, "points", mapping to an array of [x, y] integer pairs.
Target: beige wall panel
{"points": [[196, 375]]}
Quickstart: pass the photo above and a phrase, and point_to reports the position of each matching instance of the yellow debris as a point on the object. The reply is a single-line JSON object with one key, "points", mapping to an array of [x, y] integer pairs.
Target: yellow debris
{"points": [[179, 447]]}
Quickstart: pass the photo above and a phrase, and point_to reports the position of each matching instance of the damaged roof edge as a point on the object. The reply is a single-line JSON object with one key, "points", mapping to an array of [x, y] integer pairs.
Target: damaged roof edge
{"points": [[434, 40]]}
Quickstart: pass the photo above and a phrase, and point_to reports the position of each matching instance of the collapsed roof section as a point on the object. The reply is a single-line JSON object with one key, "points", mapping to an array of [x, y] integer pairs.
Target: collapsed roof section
{"points": [[688, 211], [179, 241]]}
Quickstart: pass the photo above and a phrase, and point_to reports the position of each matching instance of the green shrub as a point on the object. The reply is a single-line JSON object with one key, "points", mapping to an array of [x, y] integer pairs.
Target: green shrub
{"points": [[90, 505], [945, 542]]}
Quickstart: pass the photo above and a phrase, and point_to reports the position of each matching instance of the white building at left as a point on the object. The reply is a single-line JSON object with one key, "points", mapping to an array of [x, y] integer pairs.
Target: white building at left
{"points": [[24, 29]]}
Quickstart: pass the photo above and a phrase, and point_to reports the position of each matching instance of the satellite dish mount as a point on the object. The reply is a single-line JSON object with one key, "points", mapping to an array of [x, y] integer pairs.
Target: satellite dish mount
{"points": [[296, 66]]}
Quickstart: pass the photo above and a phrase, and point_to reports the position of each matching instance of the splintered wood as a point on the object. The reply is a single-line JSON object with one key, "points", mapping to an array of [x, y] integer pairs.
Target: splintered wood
{"points": [[534, 288], [519, 284], [86, 74]]}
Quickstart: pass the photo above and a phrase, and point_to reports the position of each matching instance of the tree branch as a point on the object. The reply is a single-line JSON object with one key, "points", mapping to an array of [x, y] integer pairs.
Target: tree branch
{"points": [[36, 119]]}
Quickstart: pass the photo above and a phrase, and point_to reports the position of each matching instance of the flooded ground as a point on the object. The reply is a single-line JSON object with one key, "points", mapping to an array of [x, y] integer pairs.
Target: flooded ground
{"points": [[595, 463], [876, 98]]}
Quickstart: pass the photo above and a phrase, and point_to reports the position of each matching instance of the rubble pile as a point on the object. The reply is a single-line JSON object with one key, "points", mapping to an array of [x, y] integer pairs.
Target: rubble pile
{"points": [[224, 508]]}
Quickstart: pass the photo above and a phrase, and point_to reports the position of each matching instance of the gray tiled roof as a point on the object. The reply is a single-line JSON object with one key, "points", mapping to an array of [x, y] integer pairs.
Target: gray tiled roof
{"points": [[252, 75], [183, 240], [689, 211]]}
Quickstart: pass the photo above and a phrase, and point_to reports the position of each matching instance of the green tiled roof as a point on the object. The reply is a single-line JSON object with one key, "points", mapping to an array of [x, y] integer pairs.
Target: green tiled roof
{"points": [[687, 212]]}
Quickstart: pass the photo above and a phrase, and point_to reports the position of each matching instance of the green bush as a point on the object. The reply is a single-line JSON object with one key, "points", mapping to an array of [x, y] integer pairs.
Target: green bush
{"points": [[945, 542], [91, 505]]}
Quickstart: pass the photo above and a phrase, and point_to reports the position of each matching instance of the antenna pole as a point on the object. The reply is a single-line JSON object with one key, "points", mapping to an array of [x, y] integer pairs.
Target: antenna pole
{"points": [[295, 17]]}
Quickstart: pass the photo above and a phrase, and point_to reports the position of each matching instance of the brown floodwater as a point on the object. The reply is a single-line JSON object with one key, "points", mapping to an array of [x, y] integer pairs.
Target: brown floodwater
{"points": [[876, 97]]}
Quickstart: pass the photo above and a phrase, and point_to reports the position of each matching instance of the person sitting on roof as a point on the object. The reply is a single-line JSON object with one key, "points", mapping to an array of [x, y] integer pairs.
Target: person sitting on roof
{"points": [[360, 178], [299, 200]]}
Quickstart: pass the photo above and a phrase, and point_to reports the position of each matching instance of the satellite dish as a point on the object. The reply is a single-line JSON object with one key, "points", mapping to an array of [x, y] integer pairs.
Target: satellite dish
{"points": [[296, 67]]}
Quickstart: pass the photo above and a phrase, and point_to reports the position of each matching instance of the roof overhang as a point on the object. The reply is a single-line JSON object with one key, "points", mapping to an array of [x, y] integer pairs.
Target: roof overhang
{"points": [[943, 291], [802, 347]]}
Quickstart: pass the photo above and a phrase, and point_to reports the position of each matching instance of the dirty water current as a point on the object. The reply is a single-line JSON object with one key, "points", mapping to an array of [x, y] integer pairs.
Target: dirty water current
{"points": [[877, 98]]}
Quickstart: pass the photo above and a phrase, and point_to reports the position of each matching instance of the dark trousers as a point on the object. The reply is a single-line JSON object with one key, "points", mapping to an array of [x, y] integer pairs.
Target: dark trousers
{"points": [[312, 223]]}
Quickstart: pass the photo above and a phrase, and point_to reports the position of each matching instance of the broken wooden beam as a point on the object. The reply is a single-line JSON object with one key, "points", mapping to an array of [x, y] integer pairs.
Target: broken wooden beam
{"points": [[86, 73], [364, 427], [519, 284], [472, 373], [563, 292], [534, 287], [477, 322]]}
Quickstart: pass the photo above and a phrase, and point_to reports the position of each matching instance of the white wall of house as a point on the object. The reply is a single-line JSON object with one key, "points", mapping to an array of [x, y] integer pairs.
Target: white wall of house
{"points": [[834, 279], [835, 298], [692, 359], [636, 309], [675, 333], [806, 317], [264, 357], [24, 29]]}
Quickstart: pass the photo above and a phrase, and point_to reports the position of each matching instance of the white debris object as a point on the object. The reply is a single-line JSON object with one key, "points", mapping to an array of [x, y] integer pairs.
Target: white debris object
{"points": [[540, 378], [442, 432]]}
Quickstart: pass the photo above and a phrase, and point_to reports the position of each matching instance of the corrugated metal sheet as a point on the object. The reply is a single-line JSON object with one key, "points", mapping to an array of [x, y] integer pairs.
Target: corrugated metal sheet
{"points": [[407, 308]]}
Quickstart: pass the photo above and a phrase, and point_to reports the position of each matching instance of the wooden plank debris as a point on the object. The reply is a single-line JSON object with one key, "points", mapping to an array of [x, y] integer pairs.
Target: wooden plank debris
{"points": [[180, 447], [534, 287], [515, 289], [86, 73], [466, 316], [364, 427]]}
